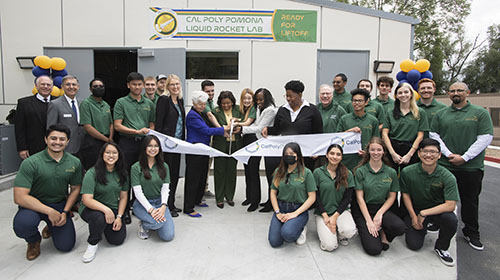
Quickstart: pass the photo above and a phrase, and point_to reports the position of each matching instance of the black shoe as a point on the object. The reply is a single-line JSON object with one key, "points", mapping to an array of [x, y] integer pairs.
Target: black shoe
{"points": [[220, 205], [126, 218], [174, 213], [264, 203], [475, 243], [177, 209], [267, 208], [230, 203], [253, 207], [445, 257], [245, 203], [385, 246], [432, 228]]}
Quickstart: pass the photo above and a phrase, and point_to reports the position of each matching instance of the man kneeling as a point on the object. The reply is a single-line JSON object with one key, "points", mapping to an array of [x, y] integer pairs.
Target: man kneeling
{"points": [[41, 191], [430, 194]]}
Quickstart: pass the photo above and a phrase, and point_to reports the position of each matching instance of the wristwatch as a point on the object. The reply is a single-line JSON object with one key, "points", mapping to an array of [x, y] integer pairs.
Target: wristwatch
{"points": [[119, 216], [277, 212]]}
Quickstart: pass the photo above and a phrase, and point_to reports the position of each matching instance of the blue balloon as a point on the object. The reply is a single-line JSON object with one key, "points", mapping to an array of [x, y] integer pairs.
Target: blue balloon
{"points": [[61, 73], [426, 74], [58, 81], [415, 85], [413, 75], [401, 76], [404, 81], [37, 71]]}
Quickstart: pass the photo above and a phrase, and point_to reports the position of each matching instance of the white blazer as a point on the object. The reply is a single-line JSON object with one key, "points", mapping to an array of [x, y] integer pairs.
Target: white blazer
{"points": [[263, 119]]}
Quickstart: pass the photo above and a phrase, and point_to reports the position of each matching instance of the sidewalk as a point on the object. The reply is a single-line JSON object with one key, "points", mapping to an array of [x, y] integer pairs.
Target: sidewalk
{"points": [[227, 243]]}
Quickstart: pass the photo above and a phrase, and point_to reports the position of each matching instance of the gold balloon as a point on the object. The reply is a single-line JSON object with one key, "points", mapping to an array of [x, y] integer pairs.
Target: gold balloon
{"points": [[422, 65], [34, 90], [43, 61], [58, 63], [55, 91], [407, 65]]}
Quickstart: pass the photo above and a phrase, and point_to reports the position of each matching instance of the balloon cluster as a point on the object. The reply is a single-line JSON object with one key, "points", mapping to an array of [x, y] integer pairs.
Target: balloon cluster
{"points": [[412, 72], [43, 67]]}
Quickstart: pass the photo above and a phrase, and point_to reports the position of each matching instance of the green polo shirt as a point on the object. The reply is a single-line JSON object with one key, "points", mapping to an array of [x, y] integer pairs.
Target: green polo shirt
{"points": [[152, 187], [369, 129], [373, 108], [459, 129], [108, 194], [134, 114], [47, 179], [406, 127], [155, 99], [343, 99], [330, 196], [252, 114], [298, 186], [376, 185], [428, 190], [430, 110], [387, 104], [97, 114], [330, 115], [210, 106]]}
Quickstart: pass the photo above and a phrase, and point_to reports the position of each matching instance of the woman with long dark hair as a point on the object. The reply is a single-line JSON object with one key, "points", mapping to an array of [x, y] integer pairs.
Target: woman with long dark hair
{"points": [[376, 188], [335, 185], [266, 110], [293, 191], [171, 121], [104, 198], [150, 178]]}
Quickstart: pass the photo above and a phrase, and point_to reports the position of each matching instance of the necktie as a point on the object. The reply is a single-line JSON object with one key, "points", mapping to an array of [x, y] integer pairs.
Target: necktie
{"points": [[45, 100], [74, 108]]}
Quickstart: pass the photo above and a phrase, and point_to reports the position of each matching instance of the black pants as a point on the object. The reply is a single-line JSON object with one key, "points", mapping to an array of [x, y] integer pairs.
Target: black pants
{"points": [[391, 224], [174, 163], [195, 182], [90, 151], [98, 226], [252, 180], [130, 147], [270, 163], [469, 187], [447, 228]]}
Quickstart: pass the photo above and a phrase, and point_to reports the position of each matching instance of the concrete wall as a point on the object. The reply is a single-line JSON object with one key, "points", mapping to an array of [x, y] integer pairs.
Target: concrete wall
{"points": [[124, 23]]}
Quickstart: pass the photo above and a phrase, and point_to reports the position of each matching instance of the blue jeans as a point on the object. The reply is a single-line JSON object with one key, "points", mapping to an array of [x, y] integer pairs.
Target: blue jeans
{"points": [[165, 229], [26, 224], [291, 229]]}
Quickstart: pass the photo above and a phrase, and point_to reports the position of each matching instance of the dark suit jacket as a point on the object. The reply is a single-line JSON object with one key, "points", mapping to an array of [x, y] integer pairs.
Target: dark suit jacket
{"points": [[167, 115], [219, 142], [59, 111], [30, 124]]}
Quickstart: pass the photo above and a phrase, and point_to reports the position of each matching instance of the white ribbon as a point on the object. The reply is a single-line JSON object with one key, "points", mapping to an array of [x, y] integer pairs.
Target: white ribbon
{"points": [[272, 146]]}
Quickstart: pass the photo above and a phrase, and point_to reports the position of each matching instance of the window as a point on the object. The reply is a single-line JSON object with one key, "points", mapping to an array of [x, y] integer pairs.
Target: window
{"points": [[495, 116], [212, 65]]}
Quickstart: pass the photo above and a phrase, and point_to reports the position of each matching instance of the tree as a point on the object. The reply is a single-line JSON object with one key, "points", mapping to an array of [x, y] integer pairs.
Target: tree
{"points": [[436, 36], [483, 73]]}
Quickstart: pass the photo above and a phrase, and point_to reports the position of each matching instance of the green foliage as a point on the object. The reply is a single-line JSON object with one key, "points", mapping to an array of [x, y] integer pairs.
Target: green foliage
{"points": [[483, 73]]}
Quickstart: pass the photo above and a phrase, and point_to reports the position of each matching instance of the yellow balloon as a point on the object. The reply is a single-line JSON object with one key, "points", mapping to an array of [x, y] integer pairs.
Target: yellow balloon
{"points": [[43, 61], [416, 94], [55, 91], [422, 65], [58, 63], [407, 65], [34, 90], [61, 92]]}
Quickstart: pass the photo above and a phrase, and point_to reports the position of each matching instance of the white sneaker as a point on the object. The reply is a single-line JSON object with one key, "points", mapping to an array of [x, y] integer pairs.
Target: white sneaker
{"points": [[143, 234], [302, 238], [90, 253], [344, 241]]}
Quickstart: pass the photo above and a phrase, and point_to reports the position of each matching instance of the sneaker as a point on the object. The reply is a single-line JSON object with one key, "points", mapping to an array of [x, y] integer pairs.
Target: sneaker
{"points": [[89, 254], [432, 228], [344, 241], [33, 251], [475, 243], [143, 234], [445, 257], [302, 238]]}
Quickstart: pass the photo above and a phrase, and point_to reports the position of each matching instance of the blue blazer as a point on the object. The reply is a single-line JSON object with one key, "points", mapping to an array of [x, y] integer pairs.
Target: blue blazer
{"points": [[198, 130]]}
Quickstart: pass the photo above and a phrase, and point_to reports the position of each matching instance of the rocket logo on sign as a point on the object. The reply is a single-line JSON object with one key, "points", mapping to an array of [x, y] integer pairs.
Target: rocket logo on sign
{"points": [[338, 140], [252, 148], [165, 23]]}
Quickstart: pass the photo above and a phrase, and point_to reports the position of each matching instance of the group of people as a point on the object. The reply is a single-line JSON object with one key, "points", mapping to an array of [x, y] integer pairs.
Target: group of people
{"points": [[352, 193]]}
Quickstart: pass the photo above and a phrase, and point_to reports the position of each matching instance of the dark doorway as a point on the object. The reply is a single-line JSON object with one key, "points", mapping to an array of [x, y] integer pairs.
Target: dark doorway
{"points": [[113, 66]]}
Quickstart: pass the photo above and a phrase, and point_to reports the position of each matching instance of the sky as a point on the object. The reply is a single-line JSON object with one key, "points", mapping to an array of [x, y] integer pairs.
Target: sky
{"points": [[483, 14]]}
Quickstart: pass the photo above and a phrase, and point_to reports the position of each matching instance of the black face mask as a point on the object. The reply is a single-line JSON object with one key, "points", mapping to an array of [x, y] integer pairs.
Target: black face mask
{"points": [[289, 159], [98, 92]]}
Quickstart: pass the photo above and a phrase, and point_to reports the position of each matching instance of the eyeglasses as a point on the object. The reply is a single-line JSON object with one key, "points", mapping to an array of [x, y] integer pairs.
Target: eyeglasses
{"points": [[337, 82], [431, 152], [358, 100]]}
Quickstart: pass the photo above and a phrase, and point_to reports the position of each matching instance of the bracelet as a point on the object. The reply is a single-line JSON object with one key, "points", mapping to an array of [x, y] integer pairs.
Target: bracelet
{"points": [[119, 216], [277, 211]]}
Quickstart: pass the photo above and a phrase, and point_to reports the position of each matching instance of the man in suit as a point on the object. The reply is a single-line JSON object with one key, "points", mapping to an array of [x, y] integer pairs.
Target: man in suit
{"points": [[31, 119], [65, 110]]}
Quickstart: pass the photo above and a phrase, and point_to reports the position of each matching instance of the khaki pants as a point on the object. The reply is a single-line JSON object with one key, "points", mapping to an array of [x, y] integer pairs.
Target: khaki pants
{"points": [[346, 228]]}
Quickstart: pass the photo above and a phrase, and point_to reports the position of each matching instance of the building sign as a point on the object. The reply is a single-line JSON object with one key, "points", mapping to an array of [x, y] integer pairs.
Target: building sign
{"points": [[277, 25]]}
